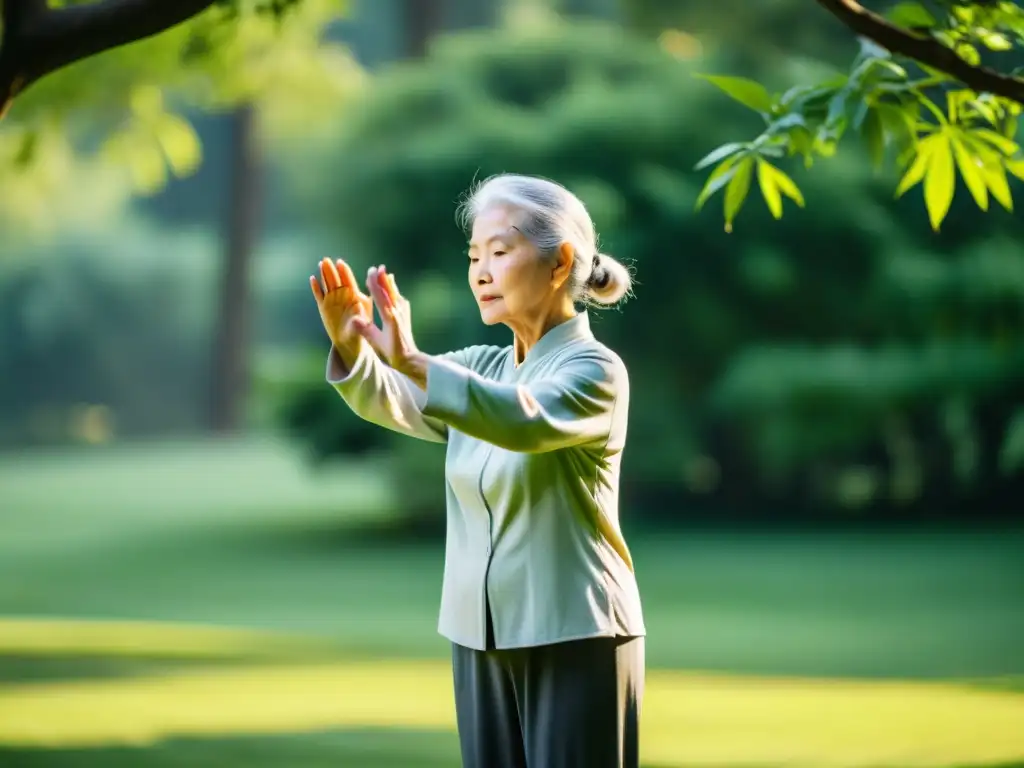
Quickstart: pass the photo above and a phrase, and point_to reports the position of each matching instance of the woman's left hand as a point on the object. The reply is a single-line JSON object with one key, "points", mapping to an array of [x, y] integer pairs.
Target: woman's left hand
{"points": [[393, 341]]}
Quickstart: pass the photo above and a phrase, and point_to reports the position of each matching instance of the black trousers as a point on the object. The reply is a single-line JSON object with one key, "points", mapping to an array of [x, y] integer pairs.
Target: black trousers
{"points": [[567, 705]]}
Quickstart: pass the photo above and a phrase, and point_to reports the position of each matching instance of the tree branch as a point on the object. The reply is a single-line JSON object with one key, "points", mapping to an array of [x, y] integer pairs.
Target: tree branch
{"points": [[923, 49], [16, 13], [38, 40]]}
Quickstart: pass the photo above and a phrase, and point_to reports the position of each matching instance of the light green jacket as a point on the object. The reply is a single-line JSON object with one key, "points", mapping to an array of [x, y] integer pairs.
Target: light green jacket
{"points": [[532, 471]]}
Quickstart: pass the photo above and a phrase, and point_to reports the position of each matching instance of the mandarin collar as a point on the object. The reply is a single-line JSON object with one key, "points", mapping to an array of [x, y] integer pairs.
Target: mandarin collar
{"points": [[573, 329]]}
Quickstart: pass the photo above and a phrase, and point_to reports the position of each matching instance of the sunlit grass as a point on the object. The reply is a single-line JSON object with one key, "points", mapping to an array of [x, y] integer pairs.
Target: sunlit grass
{"points": [[688, 718], [205, 604]]}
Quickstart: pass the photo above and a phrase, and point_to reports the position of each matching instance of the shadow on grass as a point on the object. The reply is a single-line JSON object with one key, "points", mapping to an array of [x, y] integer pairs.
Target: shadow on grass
{"points": [[378, 748], [15, 668]]}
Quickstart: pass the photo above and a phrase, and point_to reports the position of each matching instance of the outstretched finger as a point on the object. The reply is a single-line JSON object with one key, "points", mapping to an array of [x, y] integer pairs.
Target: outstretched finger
{"points": [[393, 289], [318, 292], [348, 279], [330, 274], [375, 282], [387, 286]]}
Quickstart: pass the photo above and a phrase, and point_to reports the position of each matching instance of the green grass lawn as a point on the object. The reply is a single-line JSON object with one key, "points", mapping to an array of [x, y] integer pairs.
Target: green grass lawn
{"points": [[817, 649]]}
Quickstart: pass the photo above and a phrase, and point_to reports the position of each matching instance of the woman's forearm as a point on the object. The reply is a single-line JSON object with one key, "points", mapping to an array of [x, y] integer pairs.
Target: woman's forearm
{"points": [[415, 368], [347, 355]]}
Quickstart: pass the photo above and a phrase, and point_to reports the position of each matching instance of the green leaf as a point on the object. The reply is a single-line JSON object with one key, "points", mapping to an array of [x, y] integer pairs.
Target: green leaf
{"points": [[869, 49], [874, 134], [801, 141], [747, 92], [863, 107], [147, 166], [769, 189], [718, 154], [936, 74], [1007, 146], [786, 123], [995, 179], [799, 94], [932, 107], [717, 179], [737, 189], [963, 14], [986, 111], [955, 100], [879, 67], [971, 170], [968, 53], [180, 144], [911, 14], [1016, 167], [919, 166], [147, 101], [1009, 126], [787, 186], [835, 120], [899, 121], [939, 181], [995, 41]]}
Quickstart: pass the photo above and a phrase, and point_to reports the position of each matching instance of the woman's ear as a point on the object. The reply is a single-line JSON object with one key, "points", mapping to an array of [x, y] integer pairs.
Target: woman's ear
{"points": [[563, 264]]}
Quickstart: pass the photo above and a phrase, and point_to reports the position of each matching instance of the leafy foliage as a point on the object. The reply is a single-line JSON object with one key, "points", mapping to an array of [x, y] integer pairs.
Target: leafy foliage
{"points": [[118, 121], [719, 324], [921, 119]]}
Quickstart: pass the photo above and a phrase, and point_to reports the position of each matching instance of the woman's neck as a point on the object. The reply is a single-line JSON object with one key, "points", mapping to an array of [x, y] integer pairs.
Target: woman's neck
{"points": [[526, 334]]}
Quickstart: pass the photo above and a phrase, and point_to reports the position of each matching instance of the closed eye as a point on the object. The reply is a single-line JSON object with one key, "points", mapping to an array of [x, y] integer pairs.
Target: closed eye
{"points": [[499, 253]]}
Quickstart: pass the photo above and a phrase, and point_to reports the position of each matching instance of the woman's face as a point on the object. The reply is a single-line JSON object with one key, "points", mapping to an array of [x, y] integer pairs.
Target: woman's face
{"points": [[509, 279]]}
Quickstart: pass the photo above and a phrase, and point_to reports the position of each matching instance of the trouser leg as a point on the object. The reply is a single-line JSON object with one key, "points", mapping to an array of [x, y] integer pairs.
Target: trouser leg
{"points": [[580, 702], [487, 716]]}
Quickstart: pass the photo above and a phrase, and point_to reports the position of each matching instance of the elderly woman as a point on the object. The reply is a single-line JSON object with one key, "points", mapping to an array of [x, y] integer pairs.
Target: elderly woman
{"points": [[539, 598]]}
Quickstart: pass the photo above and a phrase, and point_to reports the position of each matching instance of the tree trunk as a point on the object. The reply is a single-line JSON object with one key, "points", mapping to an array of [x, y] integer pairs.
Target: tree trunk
{"points": [[232, 334], [421, 19]]}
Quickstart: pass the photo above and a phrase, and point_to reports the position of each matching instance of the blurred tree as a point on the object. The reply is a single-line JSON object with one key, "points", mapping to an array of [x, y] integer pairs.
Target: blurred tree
{"points": [[723, 413], [916, 55], [421, 20], [82, 117], [137, 353], [231, 343], [765, 39]]}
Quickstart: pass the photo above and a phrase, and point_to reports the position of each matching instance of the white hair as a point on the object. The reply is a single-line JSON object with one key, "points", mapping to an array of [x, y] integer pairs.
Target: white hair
{"points": [[552, 215]]}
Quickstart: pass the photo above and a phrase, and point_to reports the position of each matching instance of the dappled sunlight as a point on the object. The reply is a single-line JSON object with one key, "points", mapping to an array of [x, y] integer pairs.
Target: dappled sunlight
{"points": [[252, 700], [732, 720], [689, 717]]}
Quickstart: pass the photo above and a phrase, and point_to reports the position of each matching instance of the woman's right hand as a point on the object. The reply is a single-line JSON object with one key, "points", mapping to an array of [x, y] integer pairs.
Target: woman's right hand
{"points": [[342, 305]]}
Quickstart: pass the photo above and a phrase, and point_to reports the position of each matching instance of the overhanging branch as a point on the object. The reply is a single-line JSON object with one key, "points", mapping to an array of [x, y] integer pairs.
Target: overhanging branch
{"points": [[39, 40], [923, 49], [17, 13]]}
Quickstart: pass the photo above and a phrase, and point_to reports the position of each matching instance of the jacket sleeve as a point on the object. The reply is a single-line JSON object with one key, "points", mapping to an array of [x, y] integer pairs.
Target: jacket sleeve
{"points": [[572, 406], [379, 394]]}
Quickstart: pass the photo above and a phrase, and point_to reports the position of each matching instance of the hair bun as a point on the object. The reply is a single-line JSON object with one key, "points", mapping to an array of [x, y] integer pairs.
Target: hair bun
{"points": [[599, 275], [610, 281]]}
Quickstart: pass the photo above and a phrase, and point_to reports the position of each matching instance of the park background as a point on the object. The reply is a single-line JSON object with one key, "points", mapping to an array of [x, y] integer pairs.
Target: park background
{"points": [[207, 560]]}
